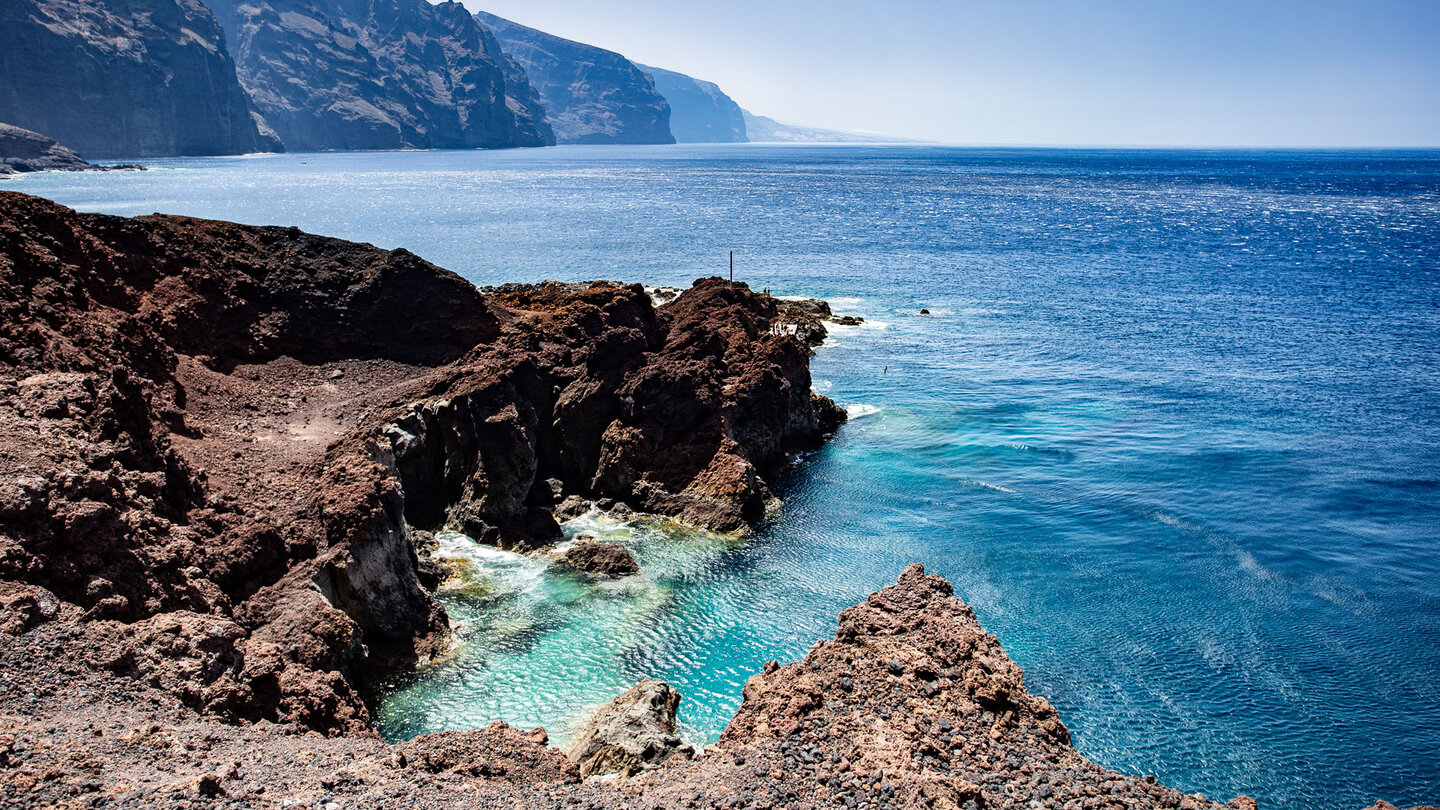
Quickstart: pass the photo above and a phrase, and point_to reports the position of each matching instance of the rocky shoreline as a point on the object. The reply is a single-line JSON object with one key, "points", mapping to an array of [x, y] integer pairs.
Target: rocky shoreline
{"points": [[226, 447]]}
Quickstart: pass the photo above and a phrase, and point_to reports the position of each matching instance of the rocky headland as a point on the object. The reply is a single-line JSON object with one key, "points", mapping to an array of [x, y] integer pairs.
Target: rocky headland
{"points": [[226, 448], [700, 112], [590, 95], [24, 151], [124, 78]]}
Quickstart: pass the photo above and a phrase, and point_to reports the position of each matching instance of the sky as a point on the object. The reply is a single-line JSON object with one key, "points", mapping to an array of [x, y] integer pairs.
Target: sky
{"points": [[1088, 72]]}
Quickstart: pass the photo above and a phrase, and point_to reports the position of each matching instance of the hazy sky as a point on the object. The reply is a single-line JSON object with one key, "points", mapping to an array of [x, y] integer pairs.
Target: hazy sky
{"points": [[1195, 72]]}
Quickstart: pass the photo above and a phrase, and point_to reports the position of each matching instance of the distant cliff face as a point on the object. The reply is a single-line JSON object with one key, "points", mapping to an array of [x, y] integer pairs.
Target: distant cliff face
{"points": [[700, 112], [591, 95], [387, 74], [123, 78]]}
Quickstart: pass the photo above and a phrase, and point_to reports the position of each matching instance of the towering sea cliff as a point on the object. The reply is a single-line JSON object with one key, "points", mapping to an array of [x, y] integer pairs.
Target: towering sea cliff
{"points": [[123, 78], [591, 95], [700, 112], [389, 74]]}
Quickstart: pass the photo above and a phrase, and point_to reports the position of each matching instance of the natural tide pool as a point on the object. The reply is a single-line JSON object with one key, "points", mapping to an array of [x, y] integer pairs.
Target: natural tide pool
{"points": [[1172, 428]]}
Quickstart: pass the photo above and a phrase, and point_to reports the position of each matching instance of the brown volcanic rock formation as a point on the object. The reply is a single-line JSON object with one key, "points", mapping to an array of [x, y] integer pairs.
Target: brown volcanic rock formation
{"points": [[224, 444], [224, 436]]}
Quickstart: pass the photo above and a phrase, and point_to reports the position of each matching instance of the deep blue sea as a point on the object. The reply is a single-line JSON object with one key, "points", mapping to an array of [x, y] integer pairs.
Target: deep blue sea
{"points": [[1172, 428]]}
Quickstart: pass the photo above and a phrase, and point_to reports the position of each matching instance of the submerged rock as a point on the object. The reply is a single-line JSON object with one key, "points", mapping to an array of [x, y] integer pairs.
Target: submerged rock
{"points": [[634, 732], [602, 559]]}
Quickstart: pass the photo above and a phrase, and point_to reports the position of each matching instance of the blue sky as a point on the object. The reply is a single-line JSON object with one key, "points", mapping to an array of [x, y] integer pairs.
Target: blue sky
{"points": [[1163, 72]]}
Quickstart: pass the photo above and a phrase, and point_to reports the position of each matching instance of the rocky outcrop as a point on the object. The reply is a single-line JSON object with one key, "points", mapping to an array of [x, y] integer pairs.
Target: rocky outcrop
{"points": [[390, 74], [634, 732], [911, 705], [230, 435], [591, 95], [24, 151], [700, 112], [123, 78], [602, 559]]}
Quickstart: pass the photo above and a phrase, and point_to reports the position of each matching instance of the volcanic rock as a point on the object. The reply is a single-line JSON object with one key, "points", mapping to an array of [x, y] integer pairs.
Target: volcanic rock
{"points": [[124, 78], [182, 447], [24, 151], [590, 95], [634, 732], [602, 559], [392, 74]]}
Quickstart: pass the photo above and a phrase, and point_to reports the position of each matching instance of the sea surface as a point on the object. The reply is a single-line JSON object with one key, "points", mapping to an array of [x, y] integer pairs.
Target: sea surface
{"points": [[1172, 427]]}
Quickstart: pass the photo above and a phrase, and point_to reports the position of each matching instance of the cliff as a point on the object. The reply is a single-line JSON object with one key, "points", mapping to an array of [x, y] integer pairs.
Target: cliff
{"points": [[700, 112], [591, 95], [762, 129], [123, 78], [390, 74]]}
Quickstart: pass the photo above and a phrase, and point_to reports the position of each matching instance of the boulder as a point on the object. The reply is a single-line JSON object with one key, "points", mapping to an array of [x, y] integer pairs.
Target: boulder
{"points": [[602, 559], [634, 732]]}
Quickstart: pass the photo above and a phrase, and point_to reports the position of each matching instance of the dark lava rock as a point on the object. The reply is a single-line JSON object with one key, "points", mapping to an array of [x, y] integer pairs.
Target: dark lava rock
{"points": [[602, 559], [389, 74], [123, 78], [572, 507], [590, 95], [24, 151], [700, 112]]}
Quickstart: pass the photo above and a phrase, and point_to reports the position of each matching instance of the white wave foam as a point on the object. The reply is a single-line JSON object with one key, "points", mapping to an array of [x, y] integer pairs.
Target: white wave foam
{"points": [[860, 410], [988, 485]]}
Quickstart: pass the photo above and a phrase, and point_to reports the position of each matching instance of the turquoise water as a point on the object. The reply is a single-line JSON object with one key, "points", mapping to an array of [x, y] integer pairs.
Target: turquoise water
{"points": [[1172, 428]]}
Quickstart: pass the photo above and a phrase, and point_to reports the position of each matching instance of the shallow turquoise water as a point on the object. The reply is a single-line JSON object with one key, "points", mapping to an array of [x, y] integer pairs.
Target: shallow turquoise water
{"points": [[1172, 429]]}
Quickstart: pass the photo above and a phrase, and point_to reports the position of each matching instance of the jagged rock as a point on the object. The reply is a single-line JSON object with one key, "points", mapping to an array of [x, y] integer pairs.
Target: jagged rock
{"points": [[1383, 805], [700, 112], [123, 78], [634, 732], [591, 95], [183, 445], [602, 559], [572, 507], [330, 74]]}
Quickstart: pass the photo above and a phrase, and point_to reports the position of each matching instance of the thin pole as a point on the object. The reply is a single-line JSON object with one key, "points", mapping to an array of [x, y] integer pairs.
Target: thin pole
{"points": [[732, 268]]}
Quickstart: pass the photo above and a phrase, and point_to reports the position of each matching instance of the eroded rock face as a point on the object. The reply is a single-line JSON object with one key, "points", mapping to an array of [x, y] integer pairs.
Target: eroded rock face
{"points": [[124, 78], [247, 427], [590, 95], [392, 74], [700, 112], [634, 732]]}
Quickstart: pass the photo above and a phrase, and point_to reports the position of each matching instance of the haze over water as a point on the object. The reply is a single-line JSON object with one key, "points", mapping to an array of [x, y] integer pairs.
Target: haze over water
{"points": [[1172, 428]]}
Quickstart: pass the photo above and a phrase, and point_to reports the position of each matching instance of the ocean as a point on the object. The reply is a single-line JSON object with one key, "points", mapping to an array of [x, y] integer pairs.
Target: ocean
{"points": [[1172, 427]]}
